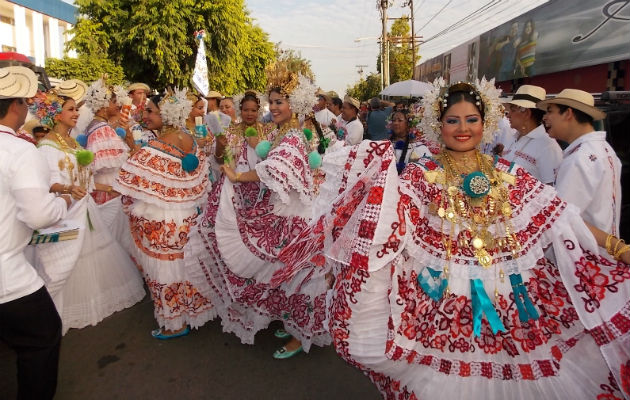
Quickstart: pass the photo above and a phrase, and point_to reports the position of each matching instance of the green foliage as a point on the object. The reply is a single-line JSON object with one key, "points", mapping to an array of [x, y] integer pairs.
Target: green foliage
{"points": [[400, 52], [153, 40], [295, 62], [367, 88], [86, 68]]}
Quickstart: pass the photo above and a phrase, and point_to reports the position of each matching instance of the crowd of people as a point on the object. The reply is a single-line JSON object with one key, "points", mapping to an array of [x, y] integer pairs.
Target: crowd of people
{"points": [[446, 247]]}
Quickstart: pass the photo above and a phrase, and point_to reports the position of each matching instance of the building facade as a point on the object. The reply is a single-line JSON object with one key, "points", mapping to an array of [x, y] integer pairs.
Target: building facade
{"points": [[36, 28]]}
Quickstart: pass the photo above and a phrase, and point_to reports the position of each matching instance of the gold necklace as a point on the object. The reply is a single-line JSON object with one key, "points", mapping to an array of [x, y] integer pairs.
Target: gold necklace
{"points": [[475, 215]]}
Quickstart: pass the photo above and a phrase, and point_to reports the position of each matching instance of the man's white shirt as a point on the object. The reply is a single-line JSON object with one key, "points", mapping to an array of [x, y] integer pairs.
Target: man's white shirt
{"points": [[539, 154], [589, 176]]}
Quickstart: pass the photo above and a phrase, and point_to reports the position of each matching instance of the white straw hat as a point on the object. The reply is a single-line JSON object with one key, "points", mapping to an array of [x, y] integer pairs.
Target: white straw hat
{"points": [[17, 82], [73, 88], [578, 99], [528, 96]]}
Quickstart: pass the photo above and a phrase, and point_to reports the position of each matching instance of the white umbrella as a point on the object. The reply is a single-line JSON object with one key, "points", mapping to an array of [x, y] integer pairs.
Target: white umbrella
{"points": [[410, 88]]}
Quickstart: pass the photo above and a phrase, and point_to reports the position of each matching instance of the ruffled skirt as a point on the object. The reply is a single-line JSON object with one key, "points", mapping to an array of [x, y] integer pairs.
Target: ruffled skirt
{"points": [[91, 277]]}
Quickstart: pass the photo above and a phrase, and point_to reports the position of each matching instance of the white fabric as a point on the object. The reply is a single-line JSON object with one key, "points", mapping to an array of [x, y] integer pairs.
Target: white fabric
{"points": [[355, 131], [416, 151], [505, 135], [589, 177], [324, 117], [91, 277], [26, 205], [539, 154]]}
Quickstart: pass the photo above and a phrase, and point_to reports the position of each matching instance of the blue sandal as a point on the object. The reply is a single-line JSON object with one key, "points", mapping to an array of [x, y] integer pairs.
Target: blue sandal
{"points": [[158, 334], [281, 334], [282, 353]]}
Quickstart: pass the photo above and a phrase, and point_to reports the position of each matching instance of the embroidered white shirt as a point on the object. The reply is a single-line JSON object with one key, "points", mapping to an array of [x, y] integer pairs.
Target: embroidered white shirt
{"points": [[26, 204], [539, 154], [589, 176], [354, 131]]}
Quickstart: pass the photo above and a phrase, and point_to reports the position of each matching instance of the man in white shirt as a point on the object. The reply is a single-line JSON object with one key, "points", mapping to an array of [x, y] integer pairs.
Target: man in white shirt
{"points": [[29, 322], [533, 149], [589, 175], [350, 124]]}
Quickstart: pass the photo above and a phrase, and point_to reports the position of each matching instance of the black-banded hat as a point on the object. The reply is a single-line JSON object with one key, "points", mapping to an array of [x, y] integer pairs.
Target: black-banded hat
{"points": [[527, 96], [139, 86], [575, 98], [73, 88], [17, 82]]}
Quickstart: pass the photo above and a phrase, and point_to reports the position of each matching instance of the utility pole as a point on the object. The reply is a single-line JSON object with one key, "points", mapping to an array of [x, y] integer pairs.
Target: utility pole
{"points": [[360, 70], [384, 42], [413, 38]]}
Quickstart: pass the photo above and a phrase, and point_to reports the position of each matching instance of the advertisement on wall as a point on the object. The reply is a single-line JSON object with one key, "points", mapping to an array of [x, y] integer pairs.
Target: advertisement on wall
{"points": [[556, 36]]}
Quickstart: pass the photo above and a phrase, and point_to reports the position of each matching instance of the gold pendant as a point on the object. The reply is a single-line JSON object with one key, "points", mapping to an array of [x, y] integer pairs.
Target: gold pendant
{"points": [[441, 212], [506, 209], [484, 258], [450, 214], [477, 243]]}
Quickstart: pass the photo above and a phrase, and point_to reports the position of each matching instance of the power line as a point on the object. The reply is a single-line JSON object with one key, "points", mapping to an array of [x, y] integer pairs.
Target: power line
{"points": [[435, 15]]}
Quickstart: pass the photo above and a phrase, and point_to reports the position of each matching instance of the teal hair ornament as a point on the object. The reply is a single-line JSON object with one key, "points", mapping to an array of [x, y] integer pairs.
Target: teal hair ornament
{"points": [[251, 132], [314, 159], [263, 148], [476, 184]]}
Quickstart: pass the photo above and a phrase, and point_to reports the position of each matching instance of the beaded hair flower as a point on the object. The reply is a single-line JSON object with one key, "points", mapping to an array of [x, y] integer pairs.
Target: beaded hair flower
{"points": [[100, 93], [175, 107], [437, 100], [46, 106]]}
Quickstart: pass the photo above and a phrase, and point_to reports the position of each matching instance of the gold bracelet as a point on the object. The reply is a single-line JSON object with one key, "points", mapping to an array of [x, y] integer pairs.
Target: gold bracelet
{"points": [[109, 189], [619, 241], [238, 176], [609, 244], [623, 249]]}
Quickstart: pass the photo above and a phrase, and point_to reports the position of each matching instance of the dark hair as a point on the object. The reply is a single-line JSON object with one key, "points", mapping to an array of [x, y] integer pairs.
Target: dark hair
{"points": [[337, 101], [4, 106], [249, 96], [404, 113], [531, 34], [459, 96], [215, 99], [156, 99], [580, 117], [277, 89], [537, 115]]}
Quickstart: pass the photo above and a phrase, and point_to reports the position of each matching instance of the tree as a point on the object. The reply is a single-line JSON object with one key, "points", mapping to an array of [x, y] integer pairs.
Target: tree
{"points": [[401, 62], [366, 88], [295, 62], [153, 40], [86, 68]]}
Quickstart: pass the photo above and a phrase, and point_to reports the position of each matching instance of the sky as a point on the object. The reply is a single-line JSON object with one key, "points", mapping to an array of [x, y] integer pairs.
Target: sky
{"points": [[325, 31]]}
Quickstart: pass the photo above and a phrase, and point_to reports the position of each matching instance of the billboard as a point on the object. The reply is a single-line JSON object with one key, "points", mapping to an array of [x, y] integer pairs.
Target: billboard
{"points": [[556, 36]]}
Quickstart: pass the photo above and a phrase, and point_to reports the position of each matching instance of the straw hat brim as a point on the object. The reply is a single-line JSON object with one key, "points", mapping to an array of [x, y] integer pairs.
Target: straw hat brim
{"points": [[74, 89], [17, 82], [522, 103], [585, 108], [139, 86]]}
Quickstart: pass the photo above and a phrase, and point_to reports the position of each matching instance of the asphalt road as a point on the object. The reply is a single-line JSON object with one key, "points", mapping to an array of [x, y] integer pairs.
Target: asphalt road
{"points": [[118, 359]]}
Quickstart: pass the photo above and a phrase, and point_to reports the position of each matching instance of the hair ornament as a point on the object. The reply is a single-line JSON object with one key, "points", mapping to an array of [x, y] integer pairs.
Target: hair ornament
{"points": [[436, 101], [46, 106], [299, 89], [98, 95], [175, 107]]}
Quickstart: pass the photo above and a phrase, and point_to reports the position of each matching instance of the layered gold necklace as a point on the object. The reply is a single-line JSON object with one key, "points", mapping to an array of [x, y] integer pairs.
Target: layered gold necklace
{"points": [[474, 203]]}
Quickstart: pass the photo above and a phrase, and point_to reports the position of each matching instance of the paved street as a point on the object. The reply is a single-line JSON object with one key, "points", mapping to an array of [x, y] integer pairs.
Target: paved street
{"points": [[118, 359]]}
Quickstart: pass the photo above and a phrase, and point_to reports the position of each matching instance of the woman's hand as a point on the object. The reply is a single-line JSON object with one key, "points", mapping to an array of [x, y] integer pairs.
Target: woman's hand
{"points": [[77, 192], [229, 172]]}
